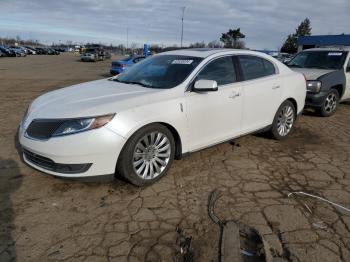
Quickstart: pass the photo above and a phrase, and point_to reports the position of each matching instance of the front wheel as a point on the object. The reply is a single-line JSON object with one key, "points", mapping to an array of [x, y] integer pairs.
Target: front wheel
{"points": [[284, 120], [330, 103], [147, 155]]}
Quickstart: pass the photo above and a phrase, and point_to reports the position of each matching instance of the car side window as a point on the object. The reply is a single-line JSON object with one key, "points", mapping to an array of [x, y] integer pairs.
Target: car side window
{"points": [[269, 68], [255, 67], [221, 70]]}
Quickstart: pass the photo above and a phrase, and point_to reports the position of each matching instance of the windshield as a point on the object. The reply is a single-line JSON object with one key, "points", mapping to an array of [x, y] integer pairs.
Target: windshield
{"points": [[319, 59], [162, 71]]}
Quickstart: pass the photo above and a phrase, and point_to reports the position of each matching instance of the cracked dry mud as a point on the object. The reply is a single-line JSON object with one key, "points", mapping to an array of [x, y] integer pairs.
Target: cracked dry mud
{"points": [[48, 219]]}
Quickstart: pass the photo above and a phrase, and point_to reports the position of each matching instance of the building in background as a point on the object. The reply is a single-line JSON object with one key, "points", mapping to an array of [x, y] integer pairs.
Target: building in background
{"points": [[307, 42]]}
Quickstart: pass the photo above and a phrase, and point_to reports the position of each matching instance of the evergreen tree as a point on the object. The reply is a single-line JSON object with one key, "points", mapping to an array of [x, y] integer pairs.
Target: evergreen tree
{"points": [[232, 39], [291, 44]]}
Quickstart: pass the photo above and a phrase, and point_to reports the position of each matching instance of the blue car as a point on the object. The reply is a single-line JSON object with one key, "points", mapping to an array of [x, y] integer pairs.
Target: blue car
{"points": [[121, 65]]}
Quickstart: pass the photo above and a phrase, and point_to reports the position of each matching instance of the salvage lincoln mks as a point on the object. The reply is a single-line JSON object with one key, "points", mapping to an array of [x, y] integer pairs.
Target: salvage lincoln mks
{"points": [[170, 104]]}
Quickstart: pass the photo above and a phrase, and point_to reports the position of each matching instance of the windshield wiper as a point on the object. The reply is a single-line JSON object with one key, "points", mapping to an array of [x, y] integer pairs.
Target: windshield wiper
{"points": [[294, 66], [133, 83], [136, 83]]}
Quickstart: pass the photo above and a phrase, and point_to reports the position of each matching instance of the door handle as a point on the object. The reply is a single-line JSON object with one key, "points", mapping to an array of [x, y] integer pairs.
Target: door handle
{"points": [[276, 87], [234, 95]]}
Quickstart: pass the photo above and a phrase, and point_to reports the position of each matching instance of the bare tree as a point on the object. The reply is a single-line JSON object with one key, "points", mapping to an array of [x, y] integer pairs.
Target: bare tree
{"points": [[215, 44]]}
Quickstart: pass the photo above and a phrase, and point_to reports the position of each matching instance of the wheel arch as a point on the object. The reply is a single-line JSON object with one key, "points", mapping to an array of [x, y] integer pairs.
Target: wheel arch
{"points": [[339, 88], [177, 139], [172, 129], [295, 104]]}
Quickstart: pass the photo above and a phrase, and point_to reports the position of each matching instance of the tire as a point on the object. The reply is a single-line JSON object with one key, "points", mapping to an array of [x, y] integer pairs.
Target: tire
{"points": [[283, 121], [147, 160], [330, 103]]}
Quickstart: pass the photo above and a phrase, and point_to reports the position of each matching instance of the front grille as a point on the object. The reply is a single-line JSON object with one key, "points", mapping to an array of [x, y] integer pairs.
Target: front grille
{"points": [[43, 129], [49, 164]]}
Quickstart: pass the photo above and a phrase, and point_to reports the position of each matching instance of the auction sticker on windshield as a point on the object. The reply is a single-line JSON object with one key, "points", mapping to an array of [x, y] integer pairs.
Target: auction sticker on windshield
{"points": [[182, 62], [335, 54]]}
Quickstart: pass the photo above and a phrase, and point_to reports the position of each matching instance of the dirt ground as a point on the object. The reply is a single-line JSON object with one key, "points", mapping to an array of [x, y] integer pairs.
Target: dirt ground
{"points": [[48, 219]]}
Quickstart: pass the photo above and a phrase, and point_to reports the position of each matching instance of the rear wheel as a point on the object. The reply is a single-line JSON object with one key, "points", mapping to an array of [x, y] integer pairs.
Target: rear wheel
{"points": [[284, 120], [330, 103], [147, 155]]}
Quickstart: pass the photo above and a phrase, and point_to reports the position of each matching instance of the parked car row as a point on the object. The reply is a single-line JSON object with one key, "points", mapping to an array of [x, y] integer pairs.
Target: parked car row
{"points": [[11, 52], [94, 55], [21, 51]]}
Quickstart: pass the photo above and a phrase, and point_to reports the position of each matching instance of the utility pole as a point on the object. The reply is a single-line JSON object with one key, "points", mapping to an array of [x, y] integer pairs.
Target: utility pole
{"points": [[127, 38], [182, 23]]}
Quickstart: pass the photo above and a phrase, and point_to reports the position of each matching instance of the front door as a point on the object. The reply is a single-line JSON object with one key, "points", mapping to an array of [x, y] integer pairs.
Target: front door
{"points": [[215, 116]]}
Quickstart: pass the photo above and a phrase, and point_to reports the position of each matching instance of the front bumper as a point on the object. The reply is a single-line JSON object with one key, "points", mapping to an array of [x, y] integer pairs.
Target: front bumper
{"points": [[315, 100], [87, 154]]}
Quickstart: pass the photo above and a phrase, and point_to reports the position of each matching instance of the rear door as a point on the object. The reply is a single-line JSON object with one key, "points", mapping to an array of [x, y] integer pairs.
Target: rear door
{"points": [[261, 91]]}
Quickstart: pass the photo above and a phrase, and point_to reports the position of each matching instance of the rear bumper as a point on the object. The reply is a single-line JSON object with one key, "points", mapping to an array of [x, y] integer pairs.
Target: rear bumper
{"points": [[87, 154]]}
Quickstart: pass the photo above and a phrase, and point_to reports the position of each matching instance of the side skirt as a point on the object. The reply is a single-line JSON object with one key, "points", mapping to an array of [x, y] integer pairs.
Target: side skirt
{"points": [[262, 130]]}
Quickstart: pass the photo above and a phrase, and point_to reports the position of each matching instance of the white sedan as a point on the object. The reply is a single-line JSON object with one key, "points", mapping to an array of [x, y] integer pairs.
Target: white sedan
{"points": [[168, 105]]}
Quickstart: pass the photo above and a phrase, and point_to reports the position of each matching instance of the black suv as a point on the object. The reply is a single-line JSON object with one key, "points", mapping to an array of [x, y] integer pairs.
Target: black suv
{"points": [[327, 71]]}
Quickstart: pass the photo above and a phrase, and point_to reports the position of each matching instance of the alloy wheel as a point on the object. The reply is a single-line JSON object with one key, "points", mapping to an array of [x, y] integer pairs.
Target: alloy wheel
{"points": [[330, 103], [151, 155], [285, 120]]}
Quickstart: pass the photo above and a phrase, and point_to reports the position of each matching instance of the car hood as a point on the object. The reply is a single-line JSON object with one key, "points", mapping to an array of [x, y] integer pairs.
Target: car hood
{"points": [[91, 99], [312, 73]]}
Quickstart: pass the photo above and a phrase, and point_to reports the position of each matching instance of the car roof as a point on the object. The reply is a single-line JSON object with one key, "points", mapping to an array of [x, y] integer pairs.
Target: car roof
{"points": [[202, 52], [330, 48]]}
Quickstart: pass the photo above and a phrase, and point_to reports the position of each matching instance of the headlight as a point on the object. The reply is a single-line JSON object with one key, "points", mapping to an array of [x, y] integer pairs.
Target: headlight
{"points": [[314, 86], [77, 125]]}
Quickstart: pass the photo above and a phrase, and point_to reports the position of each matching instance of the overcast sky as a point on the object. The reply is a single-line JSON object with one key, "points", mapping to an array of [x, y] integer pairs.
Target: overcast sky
{"points": [[266, 23]]}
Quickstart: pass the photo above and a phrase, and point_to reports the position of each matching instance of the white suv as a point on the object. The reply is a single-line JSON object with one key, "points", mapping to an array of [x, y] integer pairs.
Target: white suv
{"points": [[168, 105]]}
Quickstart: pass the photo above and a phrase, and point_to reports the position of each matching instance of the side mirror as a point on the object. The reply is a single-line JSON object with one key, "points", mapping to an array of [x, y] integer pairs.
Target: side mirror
{"points": [[348, 69], [205, 86]]}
